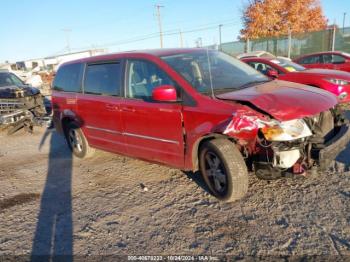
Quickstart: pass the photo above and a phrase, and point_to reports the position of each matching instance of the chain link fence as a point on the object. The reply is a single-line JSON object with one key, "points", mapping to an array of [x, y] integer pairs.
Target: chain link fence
{"points": [[294, 45]]}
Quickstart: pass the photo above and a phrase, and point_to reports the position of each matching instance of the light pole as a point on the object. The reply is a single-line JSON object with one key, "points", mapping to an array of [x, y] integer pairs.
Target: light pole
{"points": [[181, 39], [67, 32], [199, 42], [160, 25], [220, 36]]}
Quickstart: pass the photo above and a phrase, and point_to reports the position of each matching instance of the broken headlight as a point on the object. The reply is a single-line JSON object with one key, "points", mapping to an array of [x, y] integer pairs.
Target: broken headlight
{"points": [[286, 131]]}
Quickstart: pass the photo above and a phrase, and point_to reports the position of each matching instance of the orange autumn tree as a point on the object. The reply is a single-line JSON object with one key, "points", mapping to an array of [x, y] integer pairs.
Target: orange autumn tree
{"points": [[271, 18]]}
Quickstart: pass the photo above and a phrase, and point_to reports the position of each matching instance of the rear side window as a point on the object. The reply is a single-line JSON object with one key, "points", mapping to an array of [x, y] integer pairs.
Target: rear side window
{"points": [[327, 59], [337, 59], [68, 78], [310, 60], [103, 79]]}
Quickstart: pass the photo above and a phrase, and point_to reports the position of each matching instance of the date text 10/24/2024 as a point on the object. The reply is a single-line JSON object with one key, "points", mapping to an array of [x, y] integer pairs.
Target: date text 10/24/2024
{"points": [[172, 258]]}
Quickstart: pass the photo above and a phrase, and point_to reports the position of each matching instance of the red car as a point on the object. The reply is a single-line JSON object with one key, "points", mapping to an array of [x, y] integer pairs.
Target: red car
{"points": [[195, 109], [334, 81], [327, 60]]}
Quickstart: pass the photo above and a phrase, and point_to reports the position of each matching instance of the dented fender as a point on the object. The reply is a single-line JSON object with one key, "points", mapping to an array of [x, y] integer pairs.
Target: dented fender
{"points": [[242, 126]]}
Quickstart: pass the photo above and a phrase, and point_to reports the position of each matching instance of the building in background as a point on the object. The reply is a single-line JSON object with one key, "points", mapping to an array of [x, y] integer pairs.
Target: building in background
{"points": [[51, 63]]}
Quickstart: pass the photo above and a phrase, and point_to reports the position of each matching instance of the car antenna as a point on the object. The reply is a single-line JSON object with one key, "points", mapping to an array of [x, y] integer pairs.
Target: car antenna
{"points": [[210, 78]]}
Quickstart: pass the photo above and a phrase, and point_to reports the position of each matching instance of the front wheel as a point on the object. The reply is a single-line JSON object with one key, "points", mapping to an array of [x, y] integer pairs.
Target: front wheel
{"points": [[223, 169]]}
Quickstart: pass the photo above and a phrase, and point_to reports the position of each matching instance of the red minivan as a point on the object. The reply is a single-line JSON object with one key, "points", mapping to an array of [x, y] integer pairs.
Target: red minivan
{"points": [[197, 109]]}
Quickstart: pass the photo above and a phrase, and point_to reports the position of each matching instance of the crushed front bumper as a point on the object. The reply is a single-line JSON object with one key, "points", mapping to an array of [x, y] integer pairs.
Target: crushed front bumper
{"points": [[333, 147], [13, 117]]}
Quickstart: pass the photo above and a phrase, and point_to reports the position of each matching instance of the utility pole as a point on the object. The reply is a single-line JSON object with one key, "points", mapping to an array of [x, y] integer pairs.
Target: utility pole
{"points": [[344, 21], [333, 40], [160, 25], [289, 42], [67, 31], [199, 42], [181, 39], [220, 37]]}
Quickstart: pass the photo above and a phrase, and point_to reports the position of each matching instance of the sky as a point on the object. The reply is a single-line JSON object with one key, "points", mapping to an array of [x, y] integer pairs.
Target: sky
{"points": [[35, 28]]}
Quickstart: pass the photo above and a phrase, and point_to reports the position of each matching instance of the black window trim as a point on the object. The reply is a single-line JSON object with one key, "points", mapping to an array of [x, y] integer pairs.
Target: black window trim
{"points": [[121, 62]]}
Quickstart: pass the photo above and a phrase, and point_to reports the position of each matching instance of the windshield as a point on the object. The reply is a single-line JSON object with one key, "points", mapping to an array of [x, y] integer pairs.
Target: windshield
{"points": [[9, 79], [288, 65], [212, 71]]}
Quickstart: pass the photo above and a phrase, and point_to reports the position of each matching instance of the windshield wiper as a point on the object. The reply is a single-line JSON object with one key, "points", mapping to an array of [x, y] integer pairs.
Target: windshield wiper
{"points": [[254, 83]]}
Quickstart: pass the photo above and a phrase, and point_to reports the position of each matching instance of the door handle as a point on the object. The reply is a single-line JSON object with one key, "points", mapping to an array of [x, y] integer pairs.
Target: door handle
{"points": [[112, 107], [128, 109]]}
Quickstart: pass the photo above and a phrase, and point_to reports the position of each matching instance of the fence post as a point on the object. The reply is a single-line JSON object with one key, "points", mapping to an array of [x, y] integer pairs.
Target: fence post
{"points": [[248, 45], [289, 42], [333, 40]]}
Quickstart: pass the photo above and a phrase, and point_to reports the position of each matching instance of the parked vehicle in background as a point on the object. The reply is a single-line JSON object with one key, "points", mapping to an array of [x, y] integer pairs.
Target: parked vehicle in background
{"points": [[326, 60], [197, 109], [21, 106], [261, 54], [334, 81]]}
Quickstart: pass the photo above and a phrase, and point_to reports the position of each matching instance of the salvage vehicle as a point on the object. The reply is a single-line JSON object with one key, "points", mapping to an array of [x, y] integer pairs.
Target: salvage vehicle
{"points": [[334, 81], [197, 109], [328, 60], [21, 106]]}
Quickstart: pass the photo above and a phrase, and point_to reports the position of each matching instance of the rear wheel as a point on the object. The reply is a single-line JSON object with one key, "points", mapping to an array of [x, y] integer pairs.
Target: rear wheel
{"points": [[77, 141], [223, 169]]}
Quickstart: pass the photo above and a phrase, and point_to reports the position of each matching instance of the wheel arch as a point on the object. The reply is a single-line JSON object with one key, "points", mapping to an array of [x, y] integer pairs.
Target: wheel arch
{"points": [[199, 142], [65, 121]]}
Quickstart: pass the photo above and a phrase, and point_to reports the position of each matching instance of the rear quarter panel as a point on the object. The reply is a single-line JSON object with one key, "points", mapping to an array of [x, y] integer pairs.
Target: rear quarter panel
{"points": [[64, 105]]}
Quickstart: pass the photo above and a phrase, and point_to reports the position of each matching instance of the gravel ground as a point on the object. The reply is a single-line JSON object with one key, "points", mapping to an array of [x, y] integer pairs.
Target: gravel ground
{"points": [[51, 203]]}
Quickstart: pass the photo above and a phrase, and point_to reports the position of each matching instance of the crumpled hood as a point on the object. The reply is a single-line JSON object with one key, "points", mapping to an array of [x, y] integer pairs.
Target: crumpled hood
{"points": [[284, 100], [17, 91], [328, 73]]}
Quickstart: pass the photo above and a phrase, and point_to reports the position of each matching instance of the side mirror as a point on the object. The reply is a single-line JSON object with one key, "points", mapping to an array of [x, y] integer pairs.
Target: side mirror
{"points": [[272, 73], [164, 93]]}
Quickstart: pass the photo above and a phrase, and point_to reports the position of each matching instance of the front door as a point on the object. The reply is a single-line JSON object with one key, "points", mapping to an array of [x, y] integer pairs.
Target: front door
{"points": [[153, 130]]}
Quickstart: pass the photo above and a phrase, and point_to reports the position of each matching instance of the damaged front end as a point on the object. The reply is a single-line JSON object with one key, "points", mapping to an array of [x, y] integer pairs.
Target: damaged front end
{"points": [[21, 107], [280, 148]]}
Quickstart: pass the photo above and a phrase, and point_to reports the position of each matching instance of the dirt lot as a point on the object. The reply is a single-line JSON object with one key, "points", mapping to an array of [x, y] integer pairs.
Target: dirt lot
{"points": [[51, 203]]}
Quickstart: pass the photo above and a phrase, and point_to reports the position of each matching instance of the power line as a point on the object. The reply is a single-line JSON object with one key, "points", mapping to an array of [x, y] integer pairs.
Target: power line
{"points": [[155, 35]]}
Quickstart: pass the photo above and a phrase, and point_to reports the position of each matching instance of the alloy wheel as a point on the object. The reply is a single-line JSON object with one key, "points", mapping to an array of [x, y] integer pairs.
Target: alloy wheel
{"points": [[216, 172], [75, 141]]}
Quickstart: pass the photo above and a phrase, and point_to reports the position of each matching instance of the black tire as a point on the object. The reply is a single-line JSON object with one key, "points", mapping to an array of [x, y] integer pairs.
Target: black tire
{"points": [[77, 142], [230, 181]]}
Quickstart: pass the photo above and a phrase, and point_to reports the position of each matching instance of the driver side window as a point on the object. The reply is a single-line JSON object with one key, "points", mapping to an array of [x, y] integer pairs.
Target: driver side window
{"points": [[143, 77]]}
